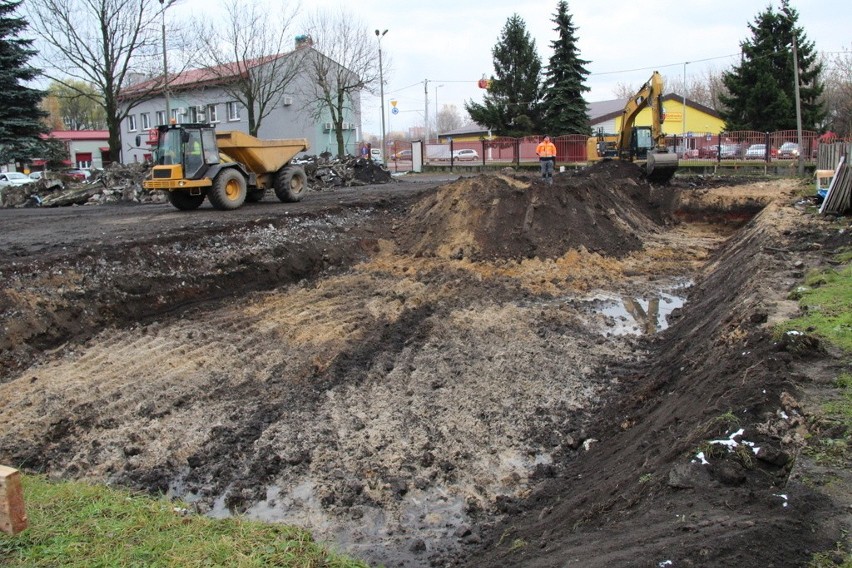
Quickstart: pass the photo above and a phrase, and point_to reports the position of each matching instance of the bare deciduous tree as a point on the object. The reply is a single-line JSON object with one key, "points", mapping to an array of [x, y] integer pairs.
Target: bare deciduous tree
{"points": [[345, 62], [251, 54], [449, 118], [837, 96], [98, 43], [75, 111]]}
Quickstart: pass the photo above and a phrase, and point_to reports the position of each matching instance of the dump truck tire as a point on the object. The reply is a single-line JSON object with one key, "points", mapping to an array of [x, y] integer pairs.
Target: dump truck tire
{"points": [[184, 201], [291, 184], [228, 191], [255, 195]]}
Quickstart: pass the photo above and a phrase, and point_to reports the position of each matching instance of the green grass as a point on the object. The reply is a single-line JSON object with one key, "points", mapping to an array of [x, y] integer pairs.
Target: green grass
{"points": [[826, 300], [73, 524]]}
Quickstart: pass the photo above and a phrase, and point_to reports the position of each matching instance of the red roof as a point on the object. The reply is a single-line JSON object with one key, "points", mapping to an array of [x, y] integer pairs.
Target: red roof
{"points": [[195, 77], [80, 134]]}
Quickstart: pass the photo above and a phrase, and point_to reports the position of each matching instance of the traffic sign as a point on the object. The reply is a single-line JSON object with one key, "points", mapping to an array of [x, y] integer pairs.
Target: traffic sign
{"points": [[394, 110]]}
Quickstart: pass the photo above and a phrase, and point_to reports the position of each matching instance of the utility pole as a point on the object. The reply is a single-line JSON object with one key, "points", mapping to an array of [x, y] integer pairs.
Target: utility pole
{"points": [[426, 114], [163, 7], [382, 89]]}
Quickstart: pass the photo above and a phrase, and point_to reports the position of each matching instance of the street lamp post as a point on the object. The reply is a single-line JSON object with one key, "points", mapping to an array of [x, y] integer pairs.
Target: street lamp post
{"points": [[380, 35], [163, 6]]}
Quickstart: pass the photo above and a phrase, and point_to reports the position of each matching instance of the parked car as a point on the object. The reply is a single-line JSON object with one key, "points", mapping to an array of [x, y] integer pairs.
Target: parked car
{"points": [[708, 152], [403, 155], [730, 151], [376, 156], [788, 150], [756, 152], [466, 154], [77, 174], [36, 175], [14, 178]]}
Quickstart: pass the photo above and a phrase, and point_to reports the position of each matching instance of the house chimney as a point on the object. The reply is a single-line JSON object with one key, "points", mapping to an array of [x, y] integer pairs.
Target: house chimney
{"points": [[303, 41]]}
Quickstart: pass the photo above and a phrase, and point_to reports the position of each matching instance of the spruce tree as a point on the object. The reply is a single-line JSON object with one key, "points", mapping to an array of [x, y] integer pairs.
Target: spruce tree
{"points": [[761, 89], [20, 115], [564, 108], [512, 105]]}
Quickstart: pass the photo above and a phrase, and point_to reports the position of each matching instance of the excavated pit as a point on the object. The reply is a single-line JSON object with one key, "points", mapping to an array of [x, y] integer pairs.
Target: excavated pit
{"points": [[411, 379]]}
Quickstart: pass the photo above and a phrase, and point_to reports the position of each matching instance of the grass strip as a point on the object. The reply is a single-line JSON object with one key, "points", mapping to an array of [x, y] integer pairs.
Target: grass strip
{"points": [[75, 524]]}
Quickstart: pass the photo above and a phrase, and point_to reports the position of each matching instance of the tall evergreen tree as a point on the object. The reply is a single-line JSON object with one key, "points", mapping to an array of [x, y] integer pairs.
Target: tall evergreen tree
{"points": [[564, 108], [761, 89], [512, 105], [20, 115]]}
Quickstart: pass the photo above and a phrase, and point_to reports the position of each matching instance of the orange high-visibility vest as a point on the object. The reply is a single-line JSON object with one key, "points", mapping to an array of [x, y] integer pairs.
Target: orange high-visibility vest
{"points": [[546, 150]]}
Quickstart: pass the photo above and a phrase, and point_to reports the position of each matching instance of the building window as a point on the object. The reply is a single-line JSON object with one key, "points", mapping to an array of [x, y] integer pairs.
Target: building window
{"points": [[161, 117], [176, 115], [212, 116], [131, 122], [233, 111], [146, 120]]}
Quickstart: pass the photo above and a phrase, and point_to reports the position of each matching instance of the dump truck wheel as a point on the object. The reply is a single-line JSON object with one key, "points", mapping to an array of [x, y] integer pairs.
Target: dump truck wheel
{"points": [[255, 195], [228, 191], [184, 201], [291, 184]]}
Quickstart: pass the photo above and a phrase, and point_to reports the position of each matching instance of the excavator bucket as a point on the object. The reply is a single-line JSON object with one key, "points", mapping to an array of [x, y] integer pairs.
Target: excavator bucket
{"points": [[661, 166]]}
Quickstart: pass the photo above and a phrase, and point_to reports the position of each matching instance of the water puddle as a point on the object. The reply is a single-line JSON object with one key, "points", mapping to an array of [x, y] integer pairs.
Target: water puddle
{"points": [[647, 315], [428, 518]]}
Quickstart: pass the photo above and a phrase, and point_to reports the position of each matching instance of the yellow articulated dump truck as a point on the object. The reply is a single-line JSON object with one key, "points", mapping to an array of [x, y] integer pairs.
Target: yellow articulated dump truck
{"points": [[194, 162]]}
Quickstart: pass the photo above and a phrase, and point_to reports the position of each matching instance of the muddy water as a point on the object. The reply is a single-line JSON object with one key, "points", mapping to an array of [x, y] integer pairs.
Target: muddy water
{"points": [[626, 315]]}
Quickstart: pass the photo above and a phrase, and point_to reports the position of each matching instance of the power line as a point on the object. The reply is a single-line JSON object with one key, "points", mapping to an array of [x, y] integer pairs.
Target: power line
{"points": [[663, 66]]}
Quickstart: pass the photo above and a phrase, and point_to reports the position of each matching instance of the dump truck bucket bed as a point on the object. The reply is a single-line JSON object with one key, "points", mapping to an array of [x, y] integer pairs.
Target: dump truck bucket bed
{"points": [[261, 156]]}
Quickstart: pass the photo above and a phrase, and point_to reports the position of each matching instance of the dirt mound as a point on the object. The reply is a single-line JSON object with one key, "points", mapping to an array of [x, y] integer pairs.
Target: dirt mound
{"points": [[605, 209]]}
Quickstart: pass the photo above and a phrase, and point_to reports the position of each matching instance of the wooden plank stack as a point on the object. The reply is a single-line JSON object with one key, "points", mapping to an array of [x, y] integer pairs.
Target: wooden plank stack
{"points": [[838, 200]]}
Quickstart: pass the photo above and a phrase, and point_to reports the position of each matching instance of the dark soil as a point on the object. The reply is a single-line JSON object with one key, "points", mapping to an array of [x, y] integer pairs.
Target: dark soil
{"points": [[421, 374]]}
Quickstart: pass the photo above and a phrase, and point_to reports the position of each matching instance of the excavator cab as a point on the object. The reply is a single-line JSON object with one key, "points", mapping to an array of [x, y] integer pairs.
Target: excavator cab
{"points": [[641, 141]]}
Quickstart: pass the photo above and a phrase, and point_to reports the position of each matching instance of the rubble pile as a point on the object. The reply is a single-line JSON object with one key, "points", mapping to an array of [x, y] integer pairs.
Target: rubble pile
{"points": [[117, 183], [325, 172]]}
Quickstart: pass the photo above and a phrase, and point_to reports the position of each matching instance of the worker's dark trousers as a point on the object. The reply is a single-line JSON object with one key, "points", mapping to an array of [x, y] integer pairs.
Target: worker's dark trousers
{"points": [[547, 168]]}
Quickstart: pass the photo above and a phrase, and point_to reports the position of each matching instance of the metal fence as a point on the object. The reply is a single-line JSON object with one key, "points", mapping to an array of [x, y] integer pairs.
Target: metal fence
{"points": [[727, 148]]}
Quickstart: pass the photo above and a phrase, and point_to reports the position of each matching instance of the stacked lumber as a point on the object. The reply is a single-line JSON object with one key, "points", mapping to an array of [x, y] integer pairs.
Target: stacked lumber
{"points": [[838, 200]]}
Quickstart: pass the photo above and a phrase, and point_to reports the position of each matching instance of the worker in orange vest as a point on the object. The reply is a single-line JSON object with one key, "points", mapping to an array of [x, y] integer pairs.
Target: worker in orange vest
{"points": [[546, 151]]}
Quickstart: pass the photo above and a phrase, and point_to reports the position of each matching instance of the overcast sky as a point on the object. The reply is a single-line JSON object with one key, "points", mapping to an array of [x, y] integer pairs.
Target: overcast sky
{"points": [[449, 42]]}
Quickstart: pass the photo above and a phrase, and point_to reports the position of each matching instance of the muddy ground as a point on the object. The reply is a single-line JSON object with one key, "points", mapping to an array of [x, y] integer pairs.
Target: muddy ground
{"points": [[486, 371]]}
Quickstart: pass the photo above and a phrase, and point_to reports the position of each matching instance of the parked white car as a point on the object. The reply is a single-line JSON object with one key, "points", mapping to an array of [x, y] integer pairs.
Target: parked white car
{"points": [[466, 154], [376, 156], [14, 178]]}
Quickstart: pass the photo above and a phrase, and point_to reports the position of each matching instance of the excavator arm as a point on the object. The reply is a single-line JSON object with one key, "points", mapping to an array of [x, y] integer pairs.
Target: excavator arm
{"points": [[644, 143]]}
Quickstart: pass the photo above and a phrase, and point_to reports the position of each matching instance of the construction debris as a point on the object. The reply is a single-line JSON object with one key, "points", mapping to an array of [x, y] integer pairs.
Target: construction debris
{"points": [[117, 183], [123, 183], [324, 172]]}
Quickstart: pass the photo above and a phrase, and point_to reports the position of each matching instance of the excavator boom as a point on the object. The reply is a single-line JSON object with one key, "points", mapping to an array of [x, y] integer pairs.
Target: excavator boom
{"points": [[647, 143]]}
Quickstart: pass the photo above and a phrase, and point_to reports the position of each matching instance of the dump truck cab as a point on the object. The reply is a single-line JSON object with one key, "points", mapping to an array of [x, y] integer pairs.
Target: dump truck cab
{"points": [[185, 153], [194, 161]]}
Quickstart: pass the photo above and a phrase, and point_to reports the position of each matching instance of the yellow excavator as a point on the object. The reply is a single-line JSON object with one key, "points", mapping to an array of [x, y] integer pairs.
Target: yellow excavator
{"points": [[647, 143]]}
